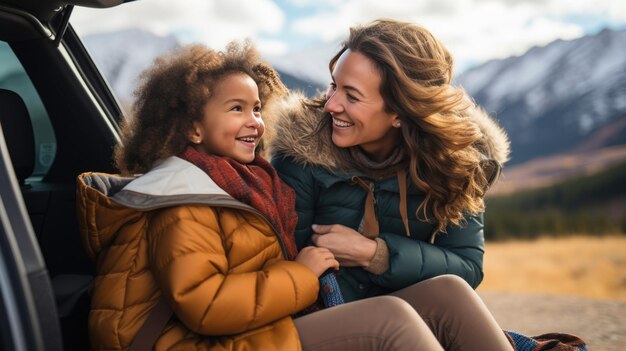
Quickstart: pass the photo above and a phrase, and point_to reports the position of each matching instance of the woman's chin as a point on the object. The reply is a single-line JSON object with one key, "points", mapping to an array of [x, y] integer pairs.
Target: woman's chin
{"points": [[341, 142]]}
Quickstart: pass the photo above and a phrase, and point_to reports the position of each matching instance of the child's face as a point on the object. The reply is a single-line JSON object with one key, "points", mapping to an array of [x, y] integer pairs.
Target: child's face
{"points": [[232, 124]]}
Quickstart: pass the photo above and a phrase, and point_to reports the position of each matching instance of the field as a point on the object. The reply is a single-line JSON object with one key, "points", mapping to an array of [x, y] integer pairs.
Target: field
{"points": [[584, 266], [573, 285]]}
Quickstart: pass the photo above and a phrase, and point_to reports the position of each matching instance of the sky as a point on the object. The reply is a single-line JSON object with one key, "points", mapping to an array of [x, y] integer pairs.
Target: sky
{"points": [[303, 34]]}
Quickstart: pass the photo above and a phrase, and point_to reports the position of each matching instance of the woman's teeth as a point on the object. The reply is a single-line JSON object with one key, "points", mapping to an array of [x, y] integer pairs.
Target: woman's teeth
{"points": [[340, 123]]}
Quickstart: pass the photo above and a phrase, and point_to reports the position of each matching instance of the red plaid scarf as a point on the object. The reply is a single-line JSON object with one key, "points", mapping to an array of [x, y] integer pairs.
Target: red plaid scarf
{"points": [[256, 184]]}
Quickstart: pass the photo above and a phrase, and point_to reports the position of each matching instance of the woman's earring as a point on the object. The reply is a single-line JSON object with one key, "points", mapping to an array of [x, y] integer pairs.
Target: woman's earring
{"points": [[397, 124]]}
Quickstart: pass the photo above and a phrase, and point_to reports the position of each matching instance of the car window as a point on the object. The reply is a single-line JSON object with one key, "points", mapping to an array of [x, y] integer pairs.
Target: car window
{"points": [[14, 78]]}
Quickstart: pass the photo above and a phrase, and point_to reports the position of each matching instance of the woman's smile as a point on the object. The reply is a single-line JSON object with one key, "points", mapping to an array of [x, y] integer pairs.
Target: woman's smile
{"points": [[341, 123]]}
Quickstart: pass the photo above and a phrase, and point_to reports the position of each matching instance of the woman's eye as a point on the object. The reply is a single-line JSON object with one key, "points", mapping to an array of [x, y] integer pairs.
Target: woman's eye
{"points": [[351, 97]]}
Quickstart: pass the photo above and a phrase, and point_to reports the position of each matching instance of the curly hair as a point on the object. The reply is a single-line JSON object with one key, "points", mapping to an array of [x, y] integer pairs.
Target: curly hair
{"points": [[171, 97], [416, 72]]}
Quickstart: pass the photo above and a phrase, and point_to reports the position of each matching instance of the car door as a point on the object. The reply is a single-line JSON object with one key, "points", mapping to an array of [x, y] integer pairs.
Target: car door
{"points": [[71, 127], [27, 307]]}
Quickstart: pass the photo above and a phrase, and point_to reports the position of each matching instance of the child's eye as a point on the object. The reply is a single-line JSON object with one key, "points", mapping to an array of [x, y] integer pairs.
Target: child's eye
{"points": [[236, 108], [257, 109]]}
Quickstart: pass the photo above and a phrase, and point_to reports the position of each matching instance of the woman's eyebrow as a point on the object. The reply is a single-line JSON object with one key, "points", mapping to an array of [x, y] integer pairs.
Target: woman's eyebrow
{"points": [[348, 87], [354, 90]]}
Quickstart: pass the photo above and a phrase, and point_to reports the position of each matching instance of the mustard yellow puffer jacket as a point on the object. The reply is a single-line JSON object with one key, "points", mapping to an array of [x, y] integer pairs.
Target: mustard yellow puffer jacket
{"points": [[217, 262]]}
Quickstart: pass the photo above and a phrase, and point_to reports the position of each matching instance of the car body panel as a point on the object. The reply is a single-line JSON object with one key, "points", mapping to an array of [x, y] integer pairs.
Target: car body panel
{"points": [[44, 270]]}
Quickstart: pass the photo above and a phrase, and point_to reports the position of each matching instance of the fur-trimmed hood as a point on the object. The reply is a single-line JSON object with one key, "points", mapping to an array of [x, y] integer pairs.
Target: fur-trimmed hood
{"points": [[295, 127]]}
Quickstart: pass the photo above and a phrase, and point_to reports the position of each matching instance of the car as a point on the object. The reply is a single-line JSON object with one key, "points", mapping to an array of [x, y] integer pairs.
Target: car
{"points": [[58, 119]]}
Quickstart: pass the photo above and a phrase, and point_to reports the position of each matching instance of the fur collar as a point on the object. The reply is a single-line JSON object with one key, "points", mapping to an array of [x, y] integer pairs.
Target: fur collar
{"points": [[294, 126]]}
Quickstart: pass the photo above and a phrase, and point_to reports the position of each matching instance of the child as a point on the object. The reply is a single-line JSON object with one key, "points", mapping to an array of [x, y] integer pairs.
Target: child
{"points": [[207, 230]]}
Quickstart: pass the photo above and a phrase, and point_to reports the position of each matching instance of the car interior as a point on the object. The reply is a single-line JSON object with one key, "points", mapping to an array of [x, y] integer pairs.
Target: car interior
{"points": [[59, 119]]}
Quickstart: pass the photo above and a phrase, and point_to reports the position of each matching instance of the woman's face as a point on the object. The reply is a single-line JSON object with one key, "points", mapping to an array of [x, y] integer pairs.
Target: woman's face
{"points": [[232, 125], [357, 107]]}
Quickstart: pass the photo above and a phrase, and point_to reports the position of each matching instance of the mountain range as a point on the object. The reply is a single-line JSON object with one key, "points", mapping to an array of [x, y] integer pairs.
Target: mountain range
{"points": [[564, 98]]}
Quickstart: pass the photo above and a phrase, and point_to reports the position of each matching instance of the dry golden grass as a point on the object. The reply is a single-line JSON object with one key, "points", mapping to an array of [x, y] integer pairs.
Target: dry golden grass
{"points": [[584, 266]]}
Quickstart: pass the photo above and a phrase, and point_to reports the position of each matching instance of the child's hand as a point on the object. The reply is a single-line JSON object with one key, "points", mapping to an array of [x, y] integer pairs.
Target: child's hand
{"points": [[317, 259]]}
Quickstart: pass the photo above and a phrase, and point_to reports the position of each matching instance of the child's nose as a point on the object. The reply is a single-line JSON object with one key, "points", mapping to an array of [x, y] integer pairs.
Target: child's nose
{"points": [[255, 120]]}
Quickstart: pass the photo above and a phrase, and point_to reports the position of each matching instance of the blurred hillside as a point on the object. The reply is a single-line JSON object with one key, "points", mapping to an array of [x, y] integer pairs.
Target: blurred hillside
{"points": [[123, 55], [545, 171], [592, 204]]}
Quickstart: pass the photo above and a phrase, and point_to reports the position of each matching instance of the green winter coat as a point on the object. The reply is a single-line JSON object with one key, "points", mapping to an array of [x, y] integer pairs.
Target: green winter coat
{"points": [[326, 194]]}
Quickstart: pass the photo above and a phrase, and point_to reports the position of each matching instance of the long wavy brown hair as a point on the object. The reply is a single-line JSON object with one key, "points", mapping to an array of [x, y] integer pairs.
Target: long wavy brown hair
{"points": [[416, 71], [172, 95]]}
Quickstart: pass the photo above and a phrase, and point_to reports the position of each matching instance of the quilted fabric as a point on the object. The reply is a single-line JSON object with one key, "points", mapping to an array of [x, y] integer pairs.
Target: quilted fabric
{"points": [[221, 269]]}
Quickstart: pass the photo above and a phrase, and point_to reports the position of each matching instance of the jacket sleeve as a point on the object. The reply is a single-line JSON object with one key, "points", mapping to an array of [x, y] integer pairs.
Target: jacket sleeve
{"points": [[190, 265], [459, 252], [300, 178]]}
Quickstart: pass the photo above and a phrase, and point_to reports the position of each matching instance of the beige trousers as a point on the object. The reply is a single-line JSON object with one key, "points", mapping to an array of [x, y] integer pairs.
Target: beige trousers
{"points": [[439, 313]]}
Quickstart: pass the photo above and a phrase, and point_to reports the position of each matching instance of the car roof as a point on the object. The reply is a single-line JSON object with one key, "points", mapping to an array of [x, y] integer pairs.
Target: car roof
{"points": [[23, 19], [44, 10]]}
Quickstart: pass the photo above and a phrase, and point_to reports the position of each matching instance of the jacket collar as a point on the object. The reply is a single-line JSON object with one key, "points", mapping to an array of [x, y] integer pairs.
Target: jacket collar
{"points": [[172, 182], [174, 176]]}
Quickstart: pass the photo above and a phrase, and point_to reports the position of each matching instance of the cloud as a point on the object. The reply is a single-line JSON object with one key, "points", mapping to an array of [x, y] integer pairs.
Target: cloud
{"points": [[617, 11], [211, 22], [474, 30]]}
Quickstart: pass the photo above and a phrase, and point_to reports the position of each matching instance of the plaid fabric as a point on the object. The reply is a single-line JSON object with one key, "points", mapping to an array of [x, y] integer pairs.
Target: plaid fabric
{"points": [[545, 342], [256, 184]]}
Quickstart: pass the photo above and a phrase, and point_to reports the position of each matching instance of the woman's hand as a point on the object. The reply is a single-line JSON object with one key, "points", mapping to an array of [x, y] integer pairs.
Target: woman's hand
{"points": [[349, 247], [317, 259]]}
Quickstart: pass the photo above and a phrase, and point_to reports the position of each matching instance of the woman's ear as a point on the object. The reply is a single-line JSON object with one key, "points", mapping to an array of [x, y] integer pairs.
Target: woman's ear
{"points": [[396, 123], [195, 134]]}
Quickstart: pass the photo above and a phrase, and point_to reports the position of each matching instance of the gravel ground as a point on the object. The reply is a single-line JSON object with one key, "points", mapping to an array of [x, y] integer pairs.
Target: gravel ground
{"points": [[600, 323]]}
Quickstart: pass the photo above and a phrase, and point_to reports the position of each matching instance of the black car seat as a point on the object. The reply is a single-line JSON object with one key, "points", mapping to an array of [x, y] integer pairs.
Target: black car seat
{"points": [[18, 133], [70, 290]]}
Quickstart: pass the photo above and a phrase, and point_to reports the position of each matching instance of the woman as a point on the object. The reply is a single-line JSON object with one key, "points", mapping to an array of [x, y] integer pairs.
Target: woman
{"points": [[203, 240], [390, 170]]}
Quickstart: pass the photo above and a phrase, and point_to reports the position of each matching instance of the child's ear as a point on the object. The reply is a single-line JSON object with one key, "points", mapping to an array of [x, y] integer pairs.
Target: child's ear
{"points": [[195, 134]]}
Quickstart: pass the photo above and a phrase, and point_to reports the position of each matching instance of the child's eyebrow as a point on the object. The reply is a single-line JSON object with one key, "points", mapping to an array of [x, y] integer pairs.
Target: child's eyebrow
{"points": [[241, 101]]}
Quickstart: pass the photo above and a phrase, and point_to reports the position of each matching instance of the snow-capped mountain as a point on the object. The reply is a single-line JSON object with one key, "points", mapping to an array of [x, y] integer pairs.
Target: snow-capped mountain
{"points": [[122, 55], [553, 98]]}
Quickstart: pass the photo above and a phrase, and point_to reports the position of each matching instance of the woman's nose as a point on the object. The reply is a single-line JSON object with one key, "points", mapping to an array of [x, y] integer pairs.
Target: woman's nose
{"points": [[332, 104]]}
